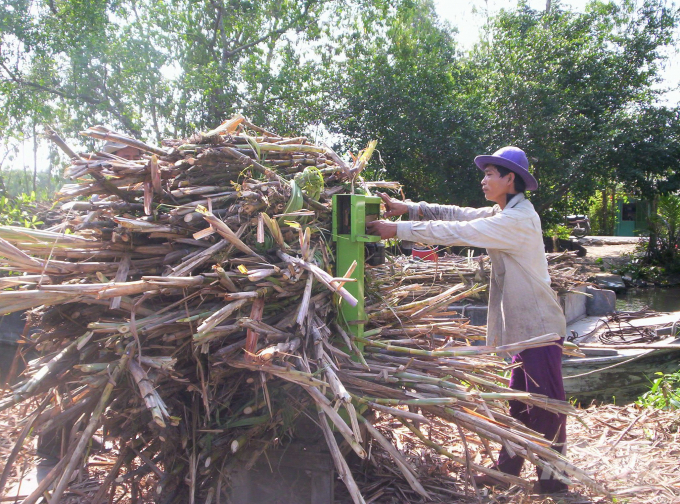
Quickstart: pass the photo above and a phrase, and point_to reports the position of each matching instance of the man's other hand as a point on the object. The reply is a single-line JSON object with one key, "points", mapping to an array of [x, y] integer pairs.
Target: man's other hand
{"points": [[393, 207], [384, 229]]}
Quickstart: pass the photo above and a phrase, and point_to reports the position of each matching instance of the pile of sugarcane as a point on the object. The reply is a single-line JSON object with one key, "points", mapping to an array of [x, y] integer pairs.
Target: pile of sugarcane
{"points": [[185, 310], [566, 272], [433, 277]]}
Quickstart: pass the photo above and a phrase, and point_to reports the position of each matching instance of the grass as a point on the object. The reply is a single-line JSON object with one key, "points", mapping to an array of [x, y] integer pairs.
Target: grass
{"points": [[664, 392]]}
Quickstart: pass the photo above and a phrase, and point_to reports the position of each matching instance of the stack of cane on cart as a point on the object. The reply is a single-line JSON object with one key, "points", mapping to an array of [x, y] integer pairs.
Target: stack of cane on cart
{"points": [[184, 308]]}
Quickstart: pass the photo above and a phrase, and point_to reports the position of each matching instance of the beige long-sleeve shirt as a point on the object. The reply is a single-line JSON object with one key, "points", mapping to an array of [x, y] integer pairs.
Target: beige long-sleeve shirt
{"points": [[522, 304]]}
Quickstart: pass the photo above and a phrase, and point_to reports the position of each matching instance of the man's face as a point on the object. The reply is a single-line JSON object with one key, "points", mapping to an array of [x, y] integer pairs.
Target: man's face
{"points": [[496, 187]]}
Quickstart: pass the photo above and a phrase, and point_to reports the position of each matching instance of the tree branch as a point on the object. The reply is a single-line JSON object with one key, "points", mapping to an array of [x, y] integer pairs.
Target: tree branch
{"points": [[219, 23], [277, 32], [117, 111], [556, 194], [52, 7], [85, 98], [26, 83]]}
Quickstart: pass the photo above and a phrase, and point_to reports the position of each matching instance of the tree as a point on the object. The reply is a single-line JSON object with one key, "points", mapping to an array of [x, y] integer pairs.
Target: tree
{"points": [[59, 55], [163, 68], [562, 84], [662, 247], [573, 89], [646, 151], [403, 87], [241, 55]]}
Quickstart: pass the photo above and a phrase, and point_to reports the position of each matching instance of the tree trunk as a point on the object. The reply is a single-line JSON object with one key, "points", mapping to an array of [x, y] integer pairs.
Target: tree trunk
{"points": [[603, 226], [35, 159], [50, 168], [652, 244], [546, 22], [612, 211], [3, 190]]}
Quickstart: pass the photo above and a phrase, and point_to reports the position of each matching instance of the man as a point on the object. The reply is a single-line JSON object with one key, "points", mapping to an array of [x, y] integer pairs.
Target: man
{"points": [[521, 303]]}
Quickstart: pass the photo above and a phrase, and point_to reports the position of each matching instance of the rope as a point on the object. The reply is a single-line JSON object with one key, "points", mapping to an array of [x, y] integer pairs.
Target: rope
{"points": [[619, 330]]}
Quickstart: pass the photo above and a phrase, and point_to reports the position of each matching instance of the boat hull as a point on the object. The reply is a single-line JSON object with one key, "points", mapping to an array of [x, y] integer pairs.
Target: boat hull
{"points": [[620, 377]]}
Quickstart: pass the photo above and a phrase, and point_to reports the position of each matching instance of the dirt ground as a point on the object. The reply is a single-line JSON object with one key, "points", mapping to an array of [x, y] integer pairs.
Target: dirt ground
{"points": [[611, 256], [631, 451], [610, 252]]}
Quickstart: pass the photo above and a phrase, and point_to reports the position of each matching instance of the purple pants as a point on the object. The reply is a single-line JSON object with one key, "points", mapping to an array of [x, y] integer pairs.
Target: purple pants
{"points": [[540, 373]]}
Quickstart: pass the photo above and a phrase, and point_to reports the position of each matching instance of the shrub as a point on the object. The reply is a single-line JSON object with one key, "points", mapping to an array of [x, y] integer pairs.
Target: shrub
{"points": [[557, 231], [595, 213], [664, 239], [19, 211], [664, 392]]}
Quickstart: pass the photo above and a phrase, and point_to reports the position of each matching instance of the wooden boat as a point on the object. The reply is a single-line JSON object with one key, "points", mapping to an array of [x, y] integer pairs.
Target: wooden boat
{"points": [[623, 353]]}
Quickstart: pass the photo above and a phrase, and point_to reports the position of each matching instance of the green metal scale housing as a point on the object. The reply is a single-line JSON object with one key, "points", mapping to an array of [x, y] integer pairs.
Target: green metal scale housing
{"points": [[350, 214]]}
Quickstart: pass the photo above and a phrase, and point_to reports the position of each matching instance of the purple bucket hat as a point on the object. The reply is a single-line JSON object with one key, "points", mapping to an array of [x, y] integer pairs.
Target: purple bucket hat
{"points": [[512, 158]]}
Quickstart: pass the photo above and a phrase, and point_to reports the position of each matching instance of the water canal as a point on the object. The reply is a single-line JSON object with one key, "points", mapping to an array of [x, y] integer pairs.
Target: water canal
{"points": [[661, 299]]}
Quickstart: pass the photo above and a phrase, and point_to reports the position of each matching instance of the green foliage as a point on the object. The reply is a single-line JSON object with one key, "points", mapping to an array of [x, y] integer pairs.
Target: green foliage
{"points": [[571, 88], [664, 392], [13, 183], [637, 268], [645, 150], [405, 87], [155, 69], [665, 233], [601, 223], [19, 211], [559, 231]]}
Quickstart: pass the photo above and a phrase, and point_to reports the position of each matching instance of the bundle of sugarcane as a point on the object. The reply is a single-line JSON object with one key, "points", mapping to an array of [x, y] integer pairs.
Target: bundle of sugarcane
{"points": [[566, 272], [404, 279], [187, 311]]}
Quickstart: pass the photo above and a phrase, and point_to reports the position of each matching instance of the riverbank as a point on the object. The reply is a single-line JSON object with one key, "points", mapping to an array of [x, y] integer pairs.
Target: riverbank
{"points": [[601, 254], [617, 255]]}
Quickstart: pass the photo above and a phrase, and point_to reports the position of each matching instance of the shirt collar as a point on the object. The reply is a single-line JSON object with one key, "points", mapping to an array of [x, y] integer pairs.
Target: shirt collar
{"points": [[516, 200]]}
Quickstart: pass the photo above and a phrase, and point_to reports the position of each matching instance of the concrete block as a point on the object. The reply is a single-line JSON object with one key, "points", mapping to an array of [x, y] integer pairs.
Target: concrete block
{"points": [[574, 304], [609, 281], [602, 302], [293, 475], [477, 314]]}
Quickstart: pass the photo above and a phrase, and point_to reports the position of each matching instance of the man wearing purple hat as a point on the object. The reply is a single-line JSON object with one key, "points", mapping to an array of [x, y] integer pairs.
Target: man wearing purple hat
{"points": [[522, 304]]}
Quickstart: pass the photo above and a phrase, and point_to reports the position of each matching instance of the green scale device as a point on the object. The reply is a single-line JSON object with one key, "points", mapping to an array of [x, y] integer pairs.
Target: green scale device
{"points": [[350, 214]]}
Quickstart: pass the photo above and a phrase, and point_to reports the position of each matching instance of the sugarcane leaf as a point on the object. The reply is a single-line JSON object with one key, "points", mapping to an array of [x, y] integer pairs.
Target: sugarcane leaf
{"points": [[296, 200], [254, 145], [247, 422]]}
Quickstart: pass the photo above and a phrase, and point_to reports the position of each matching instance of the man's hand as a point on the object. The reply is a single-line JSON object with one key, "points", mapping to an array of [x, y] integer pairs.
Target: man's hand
{"points": [[384, 229], [393, 207]]}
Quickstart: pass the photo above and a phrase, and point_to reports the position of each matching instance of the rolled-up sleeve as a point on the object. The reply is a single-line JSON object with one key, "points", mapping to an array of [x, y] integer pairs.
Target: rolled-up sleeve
{"points": [[500, 232]]}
